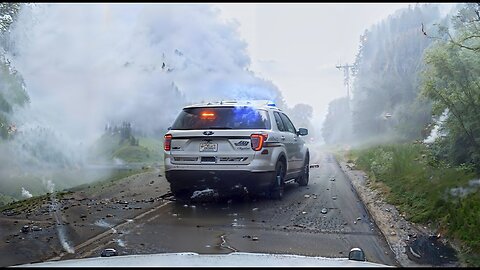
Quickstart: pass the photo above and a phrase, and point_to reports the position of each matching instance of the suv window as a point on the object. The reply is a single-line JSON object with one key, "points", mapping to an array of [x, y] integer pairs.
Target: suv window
{"points": [[279, 122], [222, 118], [287, 123]]}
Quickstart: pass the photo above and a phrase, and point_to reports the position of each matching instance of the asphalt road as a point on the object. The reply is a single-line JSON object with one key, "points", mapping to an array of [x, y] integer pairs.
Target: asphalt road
{"points": [[294, 225]]}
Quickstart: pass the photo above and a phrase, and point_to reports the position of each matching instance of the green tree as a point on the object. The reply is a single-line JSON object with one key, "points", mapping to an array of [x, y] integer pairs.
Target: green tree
{"points": [[301, 114], [8, 13], [452, 80], [337, 127], [12, 86], [386, 73]]}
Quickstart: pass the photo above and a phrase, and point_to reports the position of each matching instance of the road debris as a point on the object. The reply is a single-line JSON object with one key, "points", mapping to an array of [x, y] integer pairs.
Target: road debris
{"points": [[306, 196], [324, 210], [108, 252], [25, 229], [414, 253], [314, 166], [199, 194]]}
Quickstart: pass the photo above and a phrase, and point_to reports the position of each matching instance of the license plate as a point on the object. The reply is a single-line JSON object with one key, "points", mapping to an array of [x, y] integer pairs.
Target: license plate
{"points": [[208, 147]]}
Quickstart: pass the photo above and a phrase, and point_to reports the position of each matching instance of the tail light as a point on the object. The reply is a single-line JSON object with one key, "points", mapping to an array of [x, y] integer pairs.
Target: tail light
{"points": [[257, 141], [168, 142]]}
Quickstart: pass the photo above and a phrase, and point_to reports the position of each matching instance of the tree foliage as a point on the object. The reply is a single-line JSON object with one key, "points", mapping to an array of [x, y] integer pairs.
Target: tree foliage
{"points": [[386, 84], [301, 116], [12, 86], [387, 68], [8, 13], [452, 81], [337, 125]]}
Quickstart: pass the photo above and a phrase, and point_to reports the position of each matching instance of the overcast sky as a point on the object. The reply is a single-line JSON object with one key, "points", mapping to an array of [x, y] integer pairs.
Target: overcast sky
{"points": [[297, 46]]}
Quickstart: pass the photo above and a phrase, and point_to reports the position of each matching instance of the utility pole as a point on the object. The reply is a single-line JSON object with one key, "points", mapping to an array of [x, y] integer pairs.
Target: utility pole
{"points": [[346, 74]]}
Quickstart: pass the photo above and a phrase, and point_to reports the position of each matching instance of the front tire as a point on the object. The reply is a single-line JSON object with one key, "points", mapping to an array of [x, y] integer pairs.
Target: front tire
{"points": [[303, 179], [278, 185]]}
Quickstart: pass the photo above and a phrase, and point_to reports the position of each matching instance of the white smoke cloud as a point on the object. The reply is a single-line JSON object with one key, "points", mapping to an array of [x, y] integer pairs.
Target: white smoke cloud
{"points": [[85, 65], [55, 210], [436, 131], [26, 193], [49, 185], [88, 65]]}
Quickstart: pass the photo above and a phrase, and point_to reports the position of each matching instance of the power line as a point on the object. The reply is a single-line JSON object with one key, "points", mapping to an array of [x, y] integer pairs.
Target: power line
{"points": [[346, 74]]}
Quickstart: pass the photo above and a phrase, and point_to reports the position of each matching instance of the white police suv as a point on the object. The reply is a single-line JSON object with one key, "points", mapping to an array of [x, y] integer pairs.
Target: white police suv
{"points": [[230, 145]]}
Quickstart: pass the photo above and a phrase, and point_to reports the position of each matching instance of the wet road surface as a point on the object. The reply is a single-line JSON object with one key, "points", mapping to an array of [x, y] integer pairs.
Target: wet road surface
{"points": [[325, 218]]}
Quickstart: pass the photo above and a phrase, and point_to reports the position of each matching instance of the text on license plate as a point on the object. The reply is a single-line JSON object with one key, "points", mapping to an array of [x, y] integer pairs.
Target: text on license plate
{"points": [[208, 147]]}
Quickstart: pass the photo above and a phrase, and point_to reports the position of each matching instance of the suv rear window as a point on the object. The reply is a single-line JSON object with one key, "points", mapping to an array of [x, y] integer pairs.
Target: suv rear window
{"points": [[222, 118]]}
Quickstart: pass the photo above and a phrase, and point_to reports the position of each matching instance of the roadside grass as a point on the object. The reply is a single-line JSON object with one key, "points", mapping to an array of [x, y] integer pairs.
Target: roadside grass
{"points": [[421, 187], [109, 147], [35, 201], [149, 150], [108, 181], [6, 199], [35, 182]]}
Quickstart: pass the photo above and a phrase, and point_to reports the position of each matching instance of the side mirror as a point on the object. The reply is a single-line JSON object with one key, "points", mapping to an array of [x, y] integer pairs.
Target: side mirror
{"points": [[356, 254], [302, 132], [169, 128]]}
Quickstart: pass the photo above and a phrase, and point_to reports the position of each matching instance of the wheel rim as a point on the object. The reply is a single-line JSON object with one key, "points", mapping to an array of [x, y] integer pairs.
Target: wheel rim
{"points": [[280, 175]]}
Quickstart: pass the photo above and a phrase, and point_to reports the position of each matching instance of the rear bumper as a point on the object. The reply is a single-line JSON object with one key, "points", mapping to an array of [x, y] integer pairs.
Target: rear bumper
{"points": [[221, 180]]}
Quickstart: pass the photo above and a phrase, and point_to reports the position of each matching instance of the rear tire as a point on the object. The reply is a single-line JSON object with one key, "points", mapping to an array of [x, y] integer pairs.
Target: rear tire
{"points": [[278, 184], [303, 179]]}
